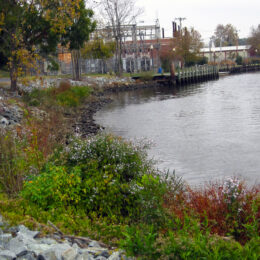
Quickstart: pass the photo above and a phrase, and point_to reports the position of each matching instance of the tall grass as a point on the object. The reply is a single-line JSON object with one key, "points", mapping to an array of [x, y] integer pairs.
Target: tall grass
{"points": [[226, 208], [63, 96]]}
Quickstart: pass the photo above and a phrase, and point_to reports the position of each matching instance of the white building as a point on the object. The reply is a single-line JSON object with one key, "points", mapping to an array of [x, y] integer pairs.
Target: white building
{"points": [[218, 54]]}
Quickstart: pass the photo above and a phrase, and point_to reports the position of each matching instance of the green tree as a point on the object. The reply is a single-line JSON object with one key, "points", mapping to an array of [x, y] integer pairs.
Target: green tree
{"points": [[187, 45], [98, 49], [225, 35], [28, 27], [239, 60], [77, 34]]}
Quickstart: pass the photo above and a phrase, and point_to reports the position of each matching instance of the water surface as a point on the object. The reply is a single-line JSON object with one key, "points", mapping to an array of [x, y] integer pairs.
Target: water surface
{"points": [[204, 131]]}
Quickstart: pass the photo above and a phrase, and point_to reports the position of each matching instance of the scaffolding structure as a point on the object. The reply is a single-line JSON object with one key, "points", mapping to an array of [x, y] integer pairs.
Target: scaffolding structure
{"points": [[140, 45], [140, 50]]}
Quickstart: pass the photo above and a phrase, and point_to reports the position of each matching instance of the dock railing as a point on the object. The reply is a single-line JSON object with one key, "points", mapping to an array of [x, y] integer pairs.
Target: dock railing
{"points": [[196, 73]]}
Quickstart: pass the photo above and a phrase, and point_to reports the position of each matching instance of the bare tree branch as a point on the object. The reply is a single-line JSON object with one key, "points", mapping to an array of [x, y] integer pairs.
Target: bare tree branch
{"points": [[116, 14]]}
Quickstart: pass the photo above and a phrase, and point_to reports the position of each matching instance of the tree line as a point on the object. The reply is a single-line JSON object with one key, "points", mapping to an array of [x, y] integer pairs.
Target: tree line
{"points": [[32, 29]]}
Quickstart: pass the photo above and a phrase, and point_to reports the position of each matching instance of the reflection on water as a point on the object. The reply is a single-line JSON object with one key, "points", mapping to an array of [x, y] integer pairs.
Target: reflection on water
{"points": [[203, 132]]}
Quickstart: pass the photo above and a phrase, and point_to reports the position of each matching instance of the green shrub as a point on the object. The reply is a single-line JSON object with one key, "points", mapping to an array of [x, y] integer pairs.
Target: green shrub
{"points": [[65, 95], [114, 179], [141, 241], [54, 188], [186, 242], [150, 197], [202, 60], [204, 246], [112, 169], [74, 96], [110, 153], [53, 65], [239, 60], [36, 97]]}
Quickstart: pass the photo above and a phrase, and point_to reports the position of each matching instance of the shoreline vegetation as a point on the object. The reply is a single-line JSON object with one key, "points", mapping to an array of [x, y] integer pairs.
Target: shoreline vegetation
{"points": [[56, 167]]}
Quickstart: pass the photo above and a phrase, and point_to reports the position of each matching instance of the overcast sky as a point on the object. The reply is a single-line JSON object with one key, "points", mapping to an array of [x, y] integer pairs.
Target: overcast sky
{"points": [[203, 15]]}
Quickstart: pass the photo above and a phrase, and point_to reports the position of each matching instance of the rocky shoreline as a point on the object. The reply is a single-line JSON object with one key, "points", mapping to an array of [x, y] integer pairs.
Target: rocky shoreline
{"points": [[20, 243], [85, 124]]}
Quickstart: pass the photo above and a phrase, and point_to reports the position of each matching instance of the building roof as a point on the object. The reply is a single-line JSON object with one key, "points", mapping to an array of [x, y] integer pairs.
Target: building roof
{"points": [[226, 48]]}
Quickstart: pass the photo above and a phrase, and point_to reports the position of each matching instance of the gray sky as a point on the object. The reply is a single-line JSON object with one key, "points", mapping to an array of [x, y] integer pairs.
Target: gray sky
{"points": [[203, 15]]}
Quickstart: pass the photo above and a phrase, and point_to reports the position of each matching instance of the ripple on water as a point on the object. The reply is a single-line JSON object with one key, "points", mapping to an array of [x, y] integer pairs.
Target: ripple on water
{"points": [[205, 131]]}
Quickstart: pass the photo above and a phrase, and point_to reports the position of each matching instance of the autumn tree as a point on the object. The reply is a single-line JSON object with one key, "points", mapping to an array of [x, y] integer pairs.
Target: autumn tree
{"points": [[99, 49], [187, 45], [28, 27], [225, 35], [116, 15], [77, 34], [254, 40]]}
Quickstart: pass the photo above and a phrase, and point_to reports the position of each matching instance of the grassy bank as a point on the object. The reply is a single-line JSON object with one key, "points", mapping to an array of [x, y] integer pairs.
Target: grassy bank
{"points": [[106, 188], [4, 74]]}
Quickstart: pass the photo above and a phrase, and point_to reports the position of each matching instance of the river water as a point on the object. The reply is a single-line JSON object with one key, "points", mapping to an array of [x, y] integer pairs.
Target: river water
{"points": [[204, 131]]}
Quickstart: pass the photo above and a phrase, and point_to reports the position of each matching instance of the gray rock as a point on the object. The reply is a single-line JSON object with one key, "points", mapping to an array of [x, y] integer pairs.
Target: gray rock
{"points": [[75, 246], [4, 122], [69, 254], [5, 238], [48, 255], [84, 256], [27, 256], [10, 115], [39, 248], [105, 254], [101, 258], [17, 246], [26, 232], [115, 256], [13, 230], [94, 244], [47, 241], [22, 252], [7, 255], [56, 251]]}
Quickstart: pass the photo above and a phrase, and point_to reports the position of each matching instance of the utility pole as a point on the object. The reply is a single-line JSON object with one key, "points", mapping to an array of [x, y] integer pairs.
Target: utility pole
{"points": [[180, 19]]}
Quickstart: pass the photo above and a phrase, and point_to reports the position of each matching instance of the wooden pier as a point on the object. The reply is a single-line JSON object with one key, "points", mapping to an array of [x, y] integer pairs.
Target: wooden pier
{"points": [[199, 73], [188, 76], [244, 68]]}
